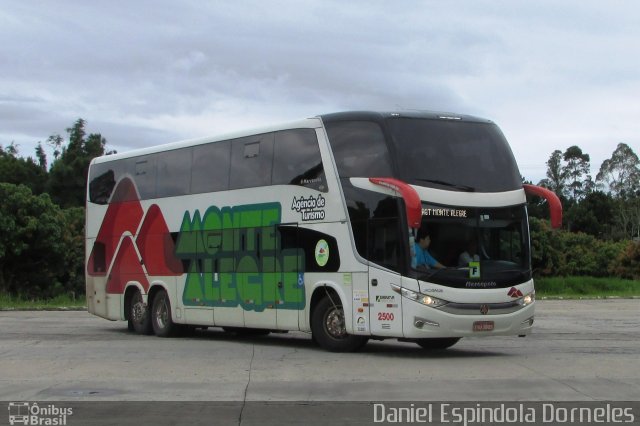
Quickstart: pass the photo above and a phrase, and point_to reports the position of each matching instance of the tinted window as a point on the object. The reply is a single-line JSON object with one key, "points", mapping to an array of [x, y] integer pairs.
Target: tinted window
{"points": [[359, 149], [251, 161], [174, 172], [375, 221], [210, 167], [454, 155], [101, 185], [296, 160], [143, 170]]}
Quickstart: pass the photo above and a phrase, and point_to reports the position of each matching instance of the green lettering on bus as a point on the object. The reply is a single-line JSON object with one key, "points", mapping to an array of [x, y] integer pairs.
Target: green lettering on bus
{"points": [[236, 259]]}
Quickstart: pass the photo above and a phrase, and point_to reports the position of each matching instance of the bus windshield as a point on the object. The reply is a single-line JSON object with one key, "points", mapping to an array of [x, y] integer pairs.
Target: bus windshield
{"points": [[453, 155], [478, 247]]}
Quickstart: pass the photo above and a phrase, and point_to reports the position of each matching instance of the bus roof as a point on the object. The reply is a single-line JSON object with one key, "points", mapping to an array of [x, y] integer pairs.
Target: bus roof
{"points": [[380, 116], [313, 122], [309, 123]]}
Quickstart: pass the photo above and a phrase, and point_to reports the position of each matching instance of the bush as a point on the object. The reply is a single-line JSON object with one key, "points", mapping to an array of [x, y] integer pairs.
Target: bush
{"points": [[563, 253], [627, 263], [41, 253]]}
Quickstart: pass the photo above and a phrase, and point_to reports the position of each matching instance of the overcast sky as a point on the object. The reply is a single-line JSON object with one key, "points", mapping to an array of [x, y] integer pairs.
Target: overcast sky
{"points": [[551, 74]]}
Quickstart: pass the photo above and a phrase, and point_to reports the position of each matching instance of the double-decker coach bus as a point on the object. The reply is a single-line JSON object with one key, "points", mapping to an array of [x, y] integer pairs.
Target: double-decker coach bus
{"points": [[321, 225]]}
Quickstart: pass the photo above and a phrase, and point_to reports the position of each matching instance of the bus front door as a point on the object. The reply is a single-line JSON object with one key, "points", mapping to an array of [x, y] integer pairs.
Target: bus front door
{"points": [[384, 250], [385, 310]]}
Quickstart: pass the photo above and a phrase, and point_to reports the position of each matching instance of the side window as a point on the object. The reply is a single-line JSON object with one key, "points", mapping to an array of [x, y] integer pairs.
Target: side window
{"points": [[384, 236], [174, 172], [101, 186], [210, 167], [375, 221], [251, 161], [143, 170], [102, 180], [359, 149], [296, 160]]}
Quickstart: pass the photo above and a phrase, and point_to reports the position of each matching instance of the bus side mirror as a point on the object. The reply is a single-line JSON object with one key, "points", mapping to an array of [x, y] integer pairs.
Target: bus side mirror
{"points": [[555, 206], [409, 195]]}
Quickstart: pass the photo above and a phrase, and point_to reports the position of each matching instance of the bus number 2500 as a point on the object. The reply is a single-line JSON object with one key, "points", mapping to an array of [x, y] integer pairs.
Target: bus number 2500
{"points": [[385, 316]]}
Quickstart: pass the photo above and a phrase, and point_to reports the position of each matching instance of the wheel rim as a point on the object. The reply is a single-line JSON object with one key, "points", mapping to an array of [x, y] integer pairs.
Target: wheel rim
{"points": [[162, 313], [138, 310], [334, 323]]}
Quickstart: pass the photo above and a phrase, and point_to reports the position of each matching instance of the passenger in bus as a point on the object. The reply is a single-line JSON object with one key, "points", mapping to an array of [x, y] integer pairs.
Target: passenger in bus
{"points": [[423, 258], [469, 255]]}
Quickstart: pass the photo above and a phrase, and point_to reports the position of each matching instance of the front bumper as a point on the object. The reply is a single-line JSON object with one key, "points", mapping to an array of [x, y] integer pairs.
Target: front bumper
{"points": [[421, 321]]}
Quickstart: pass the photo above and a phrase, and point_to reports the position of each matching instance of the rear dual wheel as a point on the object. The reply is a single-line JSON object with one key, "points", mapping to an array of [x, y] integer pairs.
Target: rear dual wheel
{"points": [[139, 319], [154, 317], [161, 320]]}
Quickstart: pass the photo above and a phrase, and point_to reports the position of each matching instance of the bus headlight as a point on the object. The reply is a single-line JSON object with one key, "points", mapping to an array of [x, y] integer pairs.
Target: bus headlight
{"points": [[425, 299], [528, 299], [434, 302]]}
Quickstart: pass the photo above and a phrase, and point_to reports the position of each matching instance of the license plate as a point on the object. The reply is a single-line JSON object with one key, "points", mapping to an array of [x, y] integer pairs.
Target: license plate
{"points": [[483, 325]]}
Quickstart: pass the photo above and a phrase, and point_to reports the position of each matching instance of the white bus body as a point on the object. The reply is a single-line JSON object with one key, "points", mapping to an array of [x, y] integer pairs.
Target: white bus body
{"points": [[310, 226]]}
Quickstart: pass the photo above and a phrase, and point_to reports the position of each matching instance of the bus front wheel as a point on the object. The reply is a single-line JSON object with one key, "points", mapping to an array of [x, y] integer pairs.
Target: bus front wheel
{"points": [[437, 343], [161, 321], [329, 330], [139, 319]]}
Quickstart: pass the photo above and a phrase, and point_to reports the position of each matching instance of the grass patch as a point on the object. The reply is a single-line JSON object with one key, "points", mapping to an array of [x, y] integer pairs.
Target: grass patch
{"points": [[60, 302], [577, 287]]}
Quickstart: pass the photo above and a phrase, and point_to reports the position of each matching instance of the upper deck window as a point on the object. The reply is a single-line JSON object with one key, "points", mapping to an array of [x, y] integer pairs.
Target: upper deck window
{"points": [[297, 161], [359, 148], [251, 161], [454, 155]]}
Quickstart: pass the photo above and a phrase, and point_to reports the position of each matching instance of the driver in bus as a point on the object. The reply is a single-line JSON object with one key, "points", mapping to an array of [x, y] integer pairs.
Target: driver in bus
{"points": [[423, 258]]}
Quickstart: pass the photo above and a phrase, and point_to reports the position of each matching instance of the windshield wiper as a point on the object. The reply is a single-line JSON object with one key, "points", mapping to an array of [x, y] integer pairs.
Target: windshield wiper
{"points": [[449, 184]]}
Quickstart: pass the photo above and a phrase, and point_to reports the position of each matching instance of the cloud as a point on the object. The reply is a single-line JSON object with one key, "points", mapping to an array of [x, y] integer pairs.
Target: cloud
{"points": [[149, 72]]}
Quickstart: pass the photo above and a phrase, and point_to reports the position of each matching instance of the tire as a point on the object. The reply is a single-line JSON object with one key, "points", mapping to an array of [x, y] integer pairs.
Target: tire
{"points": [[139, 318], [161, 321], [328, 327], [437, 343]]}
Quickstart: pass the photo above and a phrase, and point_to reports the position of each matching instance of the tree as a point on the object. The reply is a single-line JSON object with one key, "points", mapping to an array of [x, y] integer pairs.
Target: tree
{"points": [[56, 141], [31, 248], [556, 179], [41, 156], [18, 170], [627, 218], [568, 174], [594, 215], [621, 173], [576, 172], [68, 174]]}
